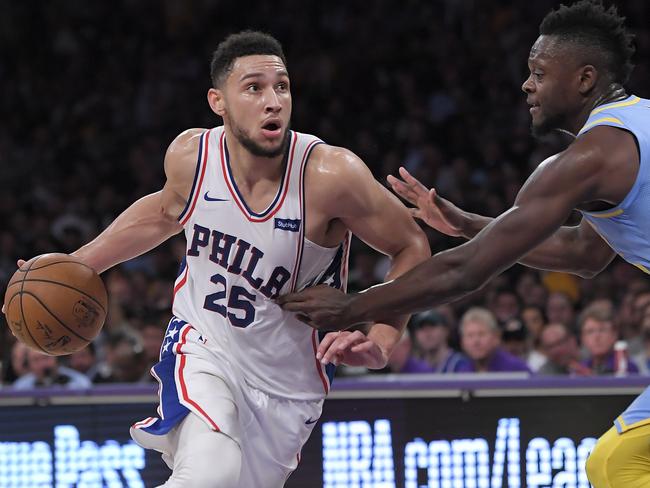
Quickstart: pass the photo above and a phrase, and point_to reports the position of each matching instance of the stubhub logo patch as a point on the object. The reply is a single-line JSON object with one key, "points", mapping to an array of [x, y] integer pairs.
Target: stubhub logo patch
{"points": [[292, 225]]}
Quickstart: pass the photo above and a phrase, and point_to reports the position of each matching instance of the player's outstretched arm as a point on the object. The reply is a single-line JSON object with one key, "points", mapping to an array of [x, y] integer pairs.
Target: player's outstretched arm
{"points": [[572, 249], [152, 219], [580, 174]]}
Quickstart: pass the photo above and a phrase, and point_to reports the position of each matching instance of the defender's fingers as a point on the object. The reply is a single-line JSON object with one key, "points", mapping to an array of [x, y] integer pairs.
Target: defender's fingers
{"points": [[403, 190], [296, 306], [290, 297], [412, 181]]}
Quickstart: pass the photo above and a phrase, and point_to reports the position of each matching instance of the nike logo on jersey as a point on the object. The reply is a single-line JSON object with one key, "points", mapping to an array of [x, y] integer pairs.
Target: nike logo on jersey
{"points": [[309, 421], [210, 199]]}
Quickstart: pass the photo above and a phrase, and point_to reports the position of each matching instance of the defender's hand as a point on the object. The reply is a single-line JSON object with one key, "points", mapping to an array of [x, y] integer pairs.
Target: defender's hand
{"points": [[350, 348], [433, 210], [321, 307]]}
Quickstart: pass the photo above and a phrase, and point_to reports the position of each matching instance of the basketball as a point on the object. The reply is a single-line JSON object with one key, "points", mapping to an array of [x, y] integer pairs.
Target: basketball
{"points": [[55, 304]]}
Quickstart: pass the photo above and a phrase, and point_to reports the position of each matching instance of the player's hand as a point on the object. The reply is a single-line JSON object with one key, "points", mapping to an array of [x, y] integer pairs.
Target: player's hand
{"points": [[321, 307], [350, 348], [20, 262], [432, 209]]}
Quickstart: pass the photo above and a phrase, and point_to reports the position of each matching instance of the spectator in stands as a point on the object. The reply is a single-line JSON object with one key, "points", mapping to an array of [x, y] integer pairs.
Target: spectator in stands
{"points": [[632, 332], [560, 346], [642, 359], [125, 360], [402, 359], [598, 335], [505, 305], [152, 332], [431, 344], [518, 341], [560, 308], [17, 365], [480, 338], [534, 319], [45, 371], [85, 361]]}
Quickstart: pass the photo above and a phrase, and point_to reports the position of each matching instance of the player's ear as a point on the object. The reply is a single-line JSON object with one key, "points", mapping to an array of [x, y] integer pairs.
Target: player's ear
{"points": [[588, 76], [216, 101]]}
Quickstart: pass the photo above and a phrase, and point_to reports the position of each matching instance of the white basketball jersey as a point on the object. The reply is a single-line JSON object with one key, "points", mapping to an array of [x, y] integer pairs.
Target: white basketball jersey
{"points": [[238, 261]]}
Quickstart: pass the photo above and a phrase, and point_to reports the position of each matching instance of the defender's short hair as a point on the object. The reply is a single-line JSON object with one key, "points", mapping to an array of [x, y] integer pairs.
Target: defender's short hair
{"points": [[245, 43], [599, 31]]}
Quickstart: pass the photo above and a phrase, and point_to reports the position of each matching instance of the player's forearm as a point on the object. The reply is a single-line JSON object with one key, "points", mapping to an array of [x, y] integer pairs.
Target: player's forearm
{"points": [[408, 258], [386, 337], [557, 253], [440, 279], [140, 228]]}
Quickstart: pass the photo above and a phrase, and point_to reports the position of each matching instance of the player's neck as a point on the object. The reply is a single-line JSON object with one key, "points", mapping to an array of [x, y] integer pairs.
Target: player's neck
{"points": [[611, 93], [248, 168]]}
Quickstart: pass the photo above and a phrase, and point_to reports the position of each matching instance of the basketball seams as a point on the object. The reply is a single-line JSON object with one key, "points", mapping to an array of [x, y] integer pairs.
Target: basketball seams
{"points": [[57, 318], [89, 290], [8, 304], [22, 312], [40, 280]]}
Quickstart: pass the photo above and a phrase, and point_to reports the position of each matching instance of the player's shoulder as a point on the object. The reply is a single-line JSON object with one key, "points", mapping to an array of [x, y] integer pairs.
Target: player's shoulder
{"points": [[186, 141], [603, 147], [338, 178], [334, 162], [181, 155]]}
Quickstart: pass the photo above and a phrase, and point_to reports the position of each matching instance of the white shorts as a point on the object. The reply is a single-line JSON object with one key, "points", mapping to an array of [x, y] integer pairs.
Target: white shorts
{"points": [[194, 378]]}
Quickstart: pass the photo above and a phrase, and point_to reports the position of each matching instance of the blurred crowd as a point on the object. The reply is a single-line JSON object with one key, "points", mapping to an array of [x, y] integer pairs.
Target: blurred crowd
{"points": [[93, 92]]}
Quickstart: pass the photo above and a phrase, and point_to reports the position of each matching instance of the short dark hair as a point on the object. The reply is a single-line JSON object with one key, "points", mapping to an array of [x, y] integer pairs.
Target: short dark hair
{"points": [[245, 43], [600, 31]]}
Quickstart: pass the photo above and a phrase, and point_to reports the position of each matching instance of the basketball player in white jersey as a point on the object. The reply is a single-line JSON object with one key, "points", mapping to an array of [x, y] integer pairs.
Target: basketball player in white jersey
{"points": [[265, 211]]}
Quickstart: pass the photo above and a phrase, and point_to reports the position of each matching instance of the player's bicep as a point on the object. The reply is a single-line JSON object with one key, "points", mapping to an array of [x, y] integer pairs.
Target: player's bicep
{"points": [[181, 165], [377, 217]]}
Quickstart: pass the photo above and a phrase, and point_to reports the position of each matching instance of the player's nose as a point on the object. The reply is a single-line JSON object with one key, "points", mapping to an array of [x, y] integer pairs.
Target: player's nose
{"points": [[272, 102], [527, 85]]}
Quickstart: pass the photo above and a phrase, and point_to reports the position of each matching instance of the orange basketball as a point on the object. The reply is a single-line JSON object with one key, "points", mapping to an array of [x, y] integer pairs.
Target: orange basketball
{"points": [[55, 304]]}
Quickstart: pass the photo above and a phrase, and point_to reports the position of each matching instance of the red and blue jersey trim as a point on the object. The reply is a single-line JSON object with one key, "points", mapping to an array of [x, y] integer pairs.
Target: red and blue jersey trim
{"points": [[175, 401], [234, 191], [199, 174]]}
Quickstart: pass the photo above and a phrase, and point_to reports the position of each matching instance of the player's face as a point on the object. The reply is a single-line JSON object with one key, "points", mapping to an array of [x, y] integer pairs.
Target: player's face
{"points": [[258, 104], [478, 340], [552, 86]]}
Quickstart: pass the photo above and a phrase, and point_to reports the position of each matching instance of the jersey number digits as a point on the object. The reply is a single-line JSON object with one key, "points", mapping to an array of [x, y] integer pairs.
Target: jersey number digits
{"points": [[238, 299]]}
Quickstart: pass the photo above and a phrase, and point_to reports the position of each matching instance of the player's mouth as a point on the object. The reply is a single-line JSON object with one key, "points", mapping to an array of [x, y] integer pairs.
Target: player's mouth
{"points": [[272, 128], [534, 108]]}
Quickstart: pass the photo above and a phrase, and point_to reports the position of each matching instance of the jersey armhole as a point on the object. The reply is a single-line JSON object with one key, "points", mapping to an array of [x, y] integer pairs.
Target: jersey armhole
{"points": [[199, 173]]}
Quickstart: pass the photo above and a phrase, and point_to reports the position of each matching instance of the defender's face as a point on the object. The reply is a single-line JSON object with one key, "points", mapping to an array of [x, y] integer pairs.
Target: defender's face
{"points": [[257, 100], [552, 85]]}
